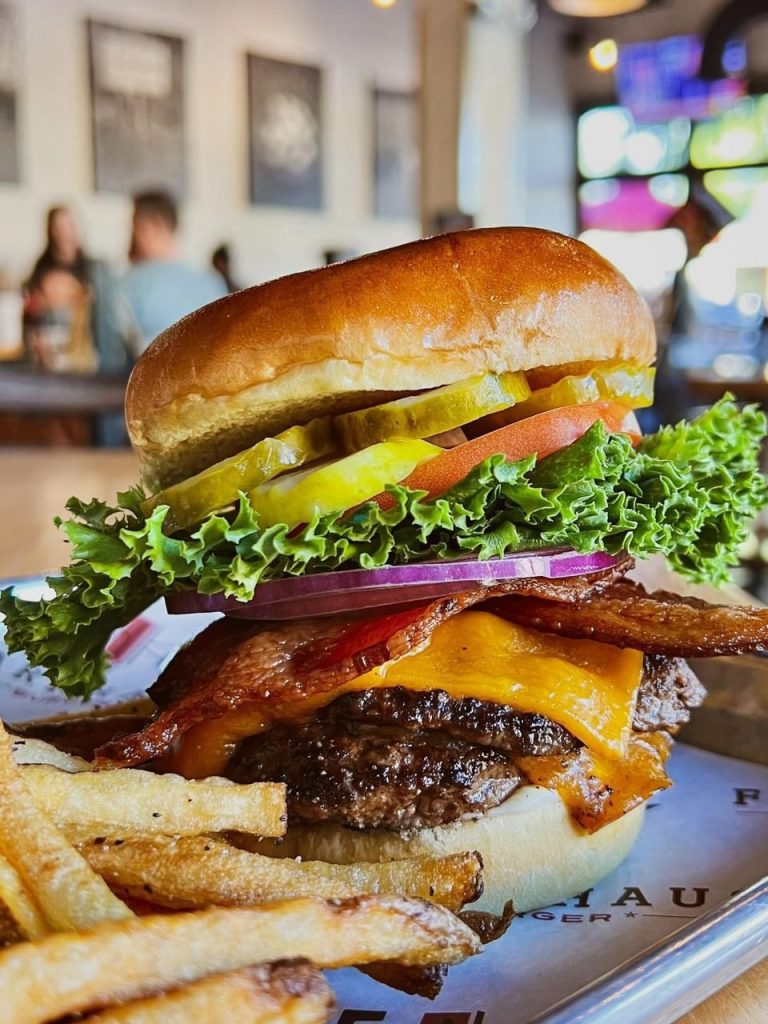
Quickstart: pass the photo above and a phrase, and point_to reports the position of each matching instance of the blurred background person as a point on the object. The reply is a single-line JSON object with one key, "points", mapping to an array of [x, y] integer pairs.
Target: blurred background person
{"points": [[160, 288], [699, 226], [57, 304], [75, 322], [63, 248], [221, 261], [699, 221]]}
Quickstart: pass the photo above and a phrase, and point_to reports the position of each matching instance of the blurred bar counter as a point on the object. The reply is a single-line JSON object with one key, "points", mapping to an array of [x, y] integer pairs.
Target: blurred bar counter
{"points": [[42, 408], [706, 386]]}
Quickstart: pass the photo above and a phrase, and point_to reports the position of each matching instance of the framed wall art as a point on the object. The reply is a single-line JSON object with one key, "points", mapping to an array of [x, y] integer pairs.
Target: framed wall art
{"points": [[9, 140], [285, 133], [395, 154], [137, 105]]}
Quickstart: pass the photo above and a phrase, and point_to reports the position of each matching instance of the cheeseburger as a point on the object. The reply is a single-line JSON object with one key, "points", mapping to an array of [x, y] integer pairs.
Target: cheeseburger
{"points": [[415, 485]]}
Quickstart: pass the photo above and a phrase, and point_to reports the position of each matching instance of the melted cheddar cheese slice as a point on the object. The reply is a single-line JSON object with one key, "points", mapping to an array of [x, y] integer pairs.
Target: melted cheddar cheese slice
{"points": [[598, 790], [588, 687]]}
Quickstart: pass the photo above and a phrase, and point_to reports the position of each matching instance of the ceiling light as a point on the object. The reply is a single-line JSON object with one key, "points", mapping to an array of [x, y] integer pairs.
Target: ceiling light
{"points": [[604, 55], [384, 3], [596, 8]]}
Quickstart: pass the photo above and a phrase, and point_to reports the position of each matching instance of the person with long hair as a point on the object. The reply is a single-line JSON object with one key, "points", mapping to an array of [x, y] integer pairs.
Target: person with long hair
{"points": [[63, 249], [58, 299]]}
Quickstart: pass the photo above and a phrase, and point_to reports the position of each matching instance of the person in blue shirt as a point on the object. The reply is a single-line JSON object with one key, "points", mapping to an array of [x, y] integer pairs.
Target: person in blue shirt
{"points": [[160, 288]]}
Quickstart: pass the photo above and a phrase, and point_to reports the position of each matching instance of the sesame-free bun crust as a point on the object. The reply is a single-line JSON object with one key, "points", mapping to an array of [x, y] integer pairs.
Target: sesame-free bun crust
{"points": [[350, 335], [533, 853]]}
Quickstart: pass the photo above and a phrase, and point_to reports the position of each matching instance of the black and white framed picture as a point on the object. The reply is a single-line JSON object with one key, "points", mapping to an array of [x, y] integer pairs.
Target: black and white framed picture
{"points": [[9, 139], [395, 154], [285, 136], [137, 104]]}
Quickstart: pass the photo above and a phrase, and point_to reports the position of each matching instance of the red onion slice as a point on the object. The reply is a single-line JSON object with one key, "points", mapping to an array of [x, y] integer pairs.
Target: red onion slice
{"points": [[354, 590]]}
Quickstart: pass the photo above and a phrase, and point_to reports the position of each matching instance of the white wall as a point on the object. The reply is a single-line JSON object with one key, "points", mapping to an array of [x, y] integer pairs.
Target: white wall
{"points": [[356, 44], [550, 154], [494, 116]]}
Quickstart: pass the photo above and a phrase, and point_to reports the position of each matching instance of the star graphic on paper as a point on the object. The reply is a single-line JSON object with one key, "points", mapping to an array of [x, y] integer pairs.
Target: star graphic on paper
{"points": [[630, 913]]}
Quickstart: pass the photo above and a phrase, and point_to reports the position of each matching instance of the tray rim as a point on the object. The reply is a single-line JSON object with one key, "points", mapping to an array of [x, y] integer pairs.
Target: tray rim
{"points": [[675, 974]]}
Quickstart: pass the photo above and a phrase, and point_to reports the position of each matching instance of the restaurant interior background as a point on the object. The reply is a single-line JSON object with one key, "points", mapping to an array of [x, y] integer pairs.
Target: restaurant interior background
{"points": [[297, 132]]}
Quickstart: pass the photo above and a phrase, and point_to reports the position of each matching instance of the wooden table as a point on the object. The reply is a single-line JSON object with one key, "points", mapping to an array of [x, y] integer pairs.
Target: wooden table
{"points": [[35, 484], [33, 488]]}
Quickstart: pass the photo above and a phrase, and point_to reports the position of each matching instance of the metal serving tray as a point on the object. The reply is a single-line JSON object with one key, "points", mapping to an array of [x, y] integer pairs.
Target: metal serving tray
{"points": [[676, 974], [663, 932]]}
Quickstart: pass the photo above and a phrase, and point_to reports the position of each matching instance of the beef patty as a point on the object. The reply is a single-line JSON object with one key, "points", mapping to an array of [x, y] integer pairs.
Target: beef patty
{"points": [[473, 721], [398, 758], [365, 777]]}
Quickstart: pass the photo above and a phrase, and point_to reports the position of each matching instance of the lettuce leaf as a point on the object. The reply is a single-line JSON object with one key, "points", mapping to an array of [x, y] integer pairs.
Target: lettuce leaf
{"points": [[688, 492]]}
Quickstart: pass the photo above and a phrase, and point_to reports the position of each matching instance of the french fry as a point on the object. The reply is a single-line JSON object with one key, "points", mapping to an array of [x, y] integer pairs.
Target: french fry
{"points": [[129, 802], [282, 993], [9, 929], [19, 905], [69, 893], [123, 960], [197, 871], [28, 750]]}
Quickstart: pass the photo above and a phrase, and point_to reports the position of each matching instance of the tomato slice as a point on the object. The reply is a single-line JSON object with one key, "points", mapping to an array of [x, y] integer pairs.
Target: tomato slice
{"points": [[539, 435], [369, 639]]}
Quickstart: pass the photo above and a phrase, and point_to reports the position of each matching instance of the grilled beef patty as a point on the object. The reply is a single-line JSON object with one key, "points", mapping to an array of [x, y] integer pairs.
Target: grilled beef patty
{"points": [[474, 721], [399, 758], [364, 777]]}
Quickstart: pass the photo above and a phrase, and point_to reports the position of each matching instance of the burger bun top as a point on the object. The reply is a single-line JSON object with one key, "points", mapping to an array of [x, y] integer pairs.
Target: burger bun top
{"points": [[326, 341]]}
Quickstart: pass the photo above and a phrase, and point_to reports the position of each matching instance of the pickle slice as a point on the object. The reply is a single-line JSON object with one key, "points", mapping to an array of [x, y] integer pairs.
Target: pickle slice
{"points": [[340, 484], [610, 381], [217, 487], [631, 385], [432, 412]]}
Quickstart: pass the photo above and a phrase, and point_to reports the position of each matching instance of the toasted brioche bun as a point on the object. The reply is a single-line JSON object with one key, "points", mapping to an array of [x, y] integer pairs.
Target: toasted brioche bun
{"points": [[414, 317], [533, 852]]}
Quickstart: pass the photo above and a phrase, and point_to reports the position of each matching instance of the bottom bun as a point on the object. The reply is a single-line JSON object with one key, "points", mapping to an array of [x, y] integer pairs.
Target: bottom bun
{"points": [[533, 852]]}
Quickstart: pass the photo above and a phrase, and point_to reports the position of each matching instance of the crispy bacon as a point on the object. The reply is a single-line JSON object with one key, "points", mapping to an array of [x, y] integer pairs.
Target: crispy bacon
{"points": [[235, 663], [626, 615]]}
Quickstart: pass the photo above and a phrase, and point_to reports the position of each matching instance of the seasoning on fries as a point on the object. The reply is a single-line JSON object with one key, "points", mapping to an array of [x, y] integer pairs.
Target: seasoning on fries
{"points": [[197, 871], [136, 803]]}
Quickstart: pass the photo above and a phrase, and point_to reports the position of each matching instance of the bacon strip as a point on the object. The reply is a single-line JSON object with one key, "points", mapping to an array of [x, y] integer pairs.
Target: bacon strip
{"points": [[235, 663], [626, 615]]}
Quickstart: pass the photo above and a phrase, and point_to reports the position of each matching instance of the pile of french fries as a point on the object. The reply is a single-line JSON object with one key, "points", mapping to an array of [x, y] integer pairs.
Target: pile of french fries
{"points": [[124, 897]]}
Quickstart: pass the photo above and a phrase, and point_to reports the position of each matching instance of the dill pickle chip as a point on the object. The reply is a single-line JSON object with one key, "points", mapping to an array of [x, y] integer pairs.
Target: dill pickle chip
{"points": [[217, 487], [432, 412], [568, 391], [627, 383], [339, 485]]}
